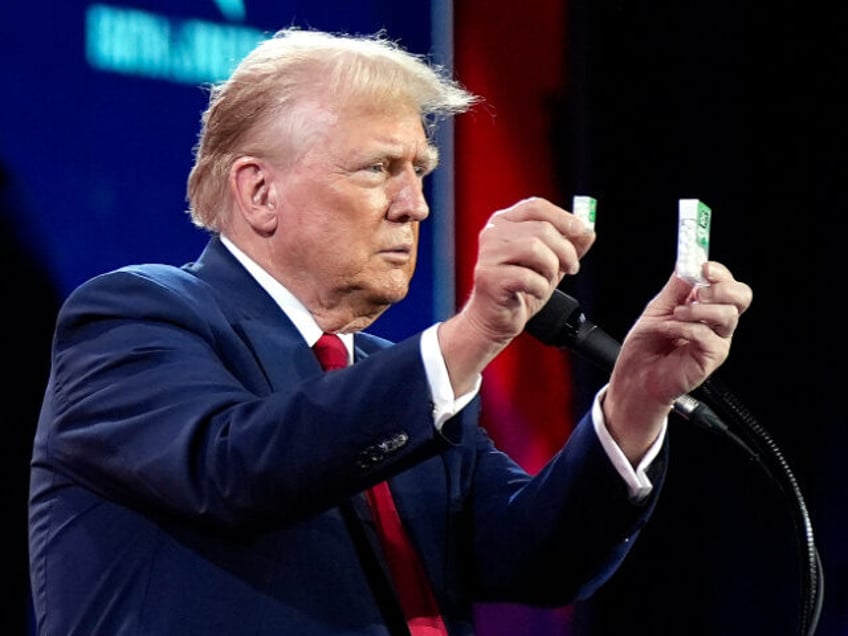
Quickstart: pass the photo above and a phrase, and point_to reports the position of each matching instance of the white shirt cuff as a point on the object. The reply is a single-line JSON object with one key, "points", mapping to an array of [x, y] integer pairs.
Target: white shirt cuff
{"points": [[445, 403], [638, 484]]}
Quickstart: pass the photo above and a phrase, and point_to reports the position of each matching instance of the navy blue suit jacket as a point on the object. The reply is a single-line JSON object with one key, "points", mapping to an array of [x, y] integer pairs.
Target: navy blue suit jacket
{"points": [[196, 473]]}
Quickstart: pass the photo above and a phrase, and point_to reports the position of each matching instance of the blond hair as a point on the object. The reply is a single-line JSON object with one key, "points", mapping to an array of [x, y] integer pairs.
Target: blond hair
{"points": [[289, 68]]}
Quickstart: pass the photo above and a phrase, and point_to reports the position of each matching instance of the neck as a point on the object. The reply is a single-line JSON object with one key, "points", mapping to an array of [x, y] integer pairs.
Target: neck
{"points": [[345, 317]]}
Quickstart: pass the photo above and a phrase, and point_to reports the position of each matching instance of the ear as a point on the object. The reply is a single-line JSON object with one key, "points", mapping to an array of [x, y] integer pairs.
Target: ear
{"points": [[254, 195]]}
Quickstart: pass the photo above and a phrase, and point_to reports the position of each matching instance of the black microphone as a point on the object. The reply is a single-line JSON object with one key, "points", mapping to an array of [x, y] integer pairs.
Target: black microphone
{"points": [[562, 324]]}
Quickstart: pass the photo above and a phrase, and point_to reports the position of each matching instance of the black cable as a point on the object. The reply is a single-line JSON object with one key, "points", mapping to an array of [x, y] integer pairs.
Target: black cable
{"points": [[756, 440]]}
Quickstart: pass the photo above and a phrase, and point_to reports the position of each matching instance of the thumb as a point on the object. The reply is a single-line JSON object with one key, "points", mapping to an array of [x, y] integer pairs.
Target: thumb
{"points": [[676, 291]]}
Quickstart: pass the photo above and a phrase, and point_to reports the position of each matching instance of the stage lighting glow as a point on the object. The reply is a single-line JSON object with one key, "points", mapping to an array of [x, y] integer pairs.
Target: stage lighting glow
{"points": [[136, 42]]}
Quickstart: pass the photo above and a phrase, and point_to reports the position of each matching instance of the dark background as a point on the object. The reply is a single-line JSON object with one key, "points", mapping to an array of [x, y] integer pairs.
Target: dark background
{"points": [[738, 104]]}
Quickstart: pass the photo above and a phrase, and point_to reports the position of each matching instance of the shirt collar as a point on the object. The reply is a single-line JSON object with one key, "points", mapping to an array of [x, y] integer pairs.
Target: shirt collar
{"points": [[291, 306]]}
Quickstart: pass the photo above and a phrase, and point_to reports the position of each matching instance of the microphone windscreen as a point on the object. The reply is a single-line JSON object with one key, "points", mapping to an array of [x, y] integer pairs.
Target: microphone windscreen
{"points": [[551, 320]]}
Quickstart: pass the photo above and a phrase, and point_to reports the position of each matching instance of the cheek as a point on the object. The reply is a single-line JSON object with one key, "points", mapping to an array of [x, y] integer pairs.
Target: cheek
{"points": [[338, 229], [357, 229], [344, 246]]}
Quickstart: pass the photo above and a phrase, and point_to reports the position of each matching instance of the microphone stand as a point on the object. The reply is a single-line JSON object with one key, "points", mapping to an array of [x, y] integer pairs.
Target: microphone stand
{"points": [[562, 324], [760, 445], [747, 433]]}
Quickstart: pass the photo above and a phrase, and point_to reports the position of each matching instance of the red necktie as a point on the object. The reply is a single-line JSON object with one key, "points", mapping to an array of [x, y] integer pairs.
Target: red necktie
{"points": [[414, 593], [331, 352]]}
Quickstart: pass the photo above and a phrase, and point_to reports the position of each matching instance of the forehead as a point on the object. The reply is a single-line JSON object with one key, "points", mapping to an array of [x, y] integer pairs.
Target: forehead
{"points": [[362, 124]]}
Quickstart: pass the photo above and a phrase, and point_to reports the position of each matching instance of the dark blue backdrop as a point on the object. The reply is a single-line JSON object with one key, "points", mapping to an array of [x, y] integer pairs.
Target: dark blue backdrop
{"points": [[101, 110]]}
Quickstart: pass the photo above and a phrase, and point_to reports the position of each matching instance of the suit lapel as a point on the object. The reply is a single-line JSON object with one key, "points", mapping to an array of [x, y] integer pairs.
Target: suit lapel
{"points": [[263, 326]]}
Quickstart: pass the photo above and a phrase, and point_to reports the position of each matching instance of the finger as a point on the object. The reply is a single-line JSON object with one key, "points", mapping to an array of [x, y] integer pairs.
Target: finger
{"points": [[714, 272], [722, 319], [676, 291], [506, 282], [699, 335], [534, 243], [565, 223], [531, 252], [736, 294]]}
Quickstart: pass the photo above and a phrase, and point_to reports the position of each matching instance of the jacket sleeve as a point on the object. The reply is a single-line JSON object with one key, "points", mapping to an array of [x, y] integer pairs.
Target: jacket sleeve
{"points": [[160, 399], [557, 536]]}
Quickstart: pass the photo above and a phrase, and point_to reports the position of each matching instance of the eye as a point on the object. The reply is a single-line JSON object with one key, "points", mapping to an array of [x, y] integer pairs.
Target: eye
{"points": [[426, 163], [378, 167]]}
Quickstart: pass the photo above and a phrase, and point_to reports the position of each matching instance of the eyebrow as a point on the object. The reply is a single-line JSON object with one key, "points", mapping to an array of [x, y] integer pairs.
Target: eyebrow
{"points": [[428, 158]]}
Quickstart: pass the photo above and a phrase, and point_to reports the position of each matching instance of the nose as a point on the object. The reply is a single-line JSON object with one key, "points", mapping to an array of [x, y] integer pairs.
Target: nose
{"points": [[407, 200]]}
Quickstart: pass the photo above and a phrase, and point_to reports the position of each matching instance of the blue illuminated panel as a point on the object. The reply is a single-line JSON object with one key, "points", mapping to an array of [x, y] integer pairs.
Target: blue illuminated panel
{"points": [[138, 42]]}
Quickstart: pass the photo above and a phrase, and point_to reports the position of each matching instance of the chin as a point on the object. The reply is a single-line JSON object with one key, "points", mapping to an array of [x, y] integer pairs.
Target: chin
{"points": [[390, 298], [390, 294]]}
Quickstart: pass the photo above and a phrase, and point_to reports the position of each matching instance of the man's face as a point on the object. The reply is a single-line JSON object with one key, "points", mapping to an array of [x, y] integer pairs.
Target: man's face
{"points": [[350, 208]]}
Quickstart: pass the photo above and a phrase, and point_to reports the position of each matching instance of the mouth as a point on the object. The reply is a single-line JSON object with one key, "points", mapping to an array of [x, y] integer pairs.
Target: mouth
{"points": [[397, 253]]}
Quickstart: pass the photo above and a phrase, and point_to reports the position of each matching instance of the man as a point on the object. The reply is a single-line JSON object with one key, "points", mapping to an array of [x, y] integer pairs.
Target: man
{"points": [[196, 471]]}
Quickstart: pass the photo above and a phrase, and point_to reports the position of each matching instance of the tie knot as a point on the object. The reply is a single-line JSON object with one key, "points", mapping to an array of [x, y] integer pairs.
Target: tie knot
{"points": [[331, 352]]}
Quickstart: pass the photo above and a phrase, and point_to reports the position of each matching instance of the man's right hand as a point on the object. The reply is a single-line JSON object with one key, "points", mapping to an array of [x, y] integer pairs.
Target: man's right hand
{"points": [[524, 252]]}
